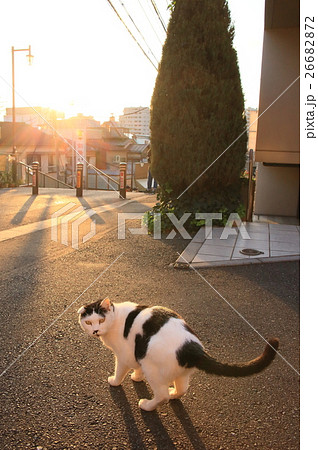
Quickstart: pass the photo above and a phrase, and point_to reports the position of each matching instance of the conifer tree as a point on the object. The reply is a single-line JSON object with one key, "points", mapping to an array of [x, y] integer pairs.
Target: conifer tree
{"points": [[197, 106]]}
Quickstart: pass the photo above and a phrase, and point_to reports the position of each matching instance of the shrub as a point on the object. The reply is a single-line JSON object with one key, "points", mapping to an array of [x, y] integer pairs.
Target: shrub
{"points": [[197, 111]]}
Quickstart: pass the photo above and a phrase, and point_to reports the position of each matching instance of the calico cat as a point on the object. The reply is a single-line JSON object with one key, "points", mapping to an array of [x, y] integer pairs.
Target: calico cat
{"points": [[157, 344]]}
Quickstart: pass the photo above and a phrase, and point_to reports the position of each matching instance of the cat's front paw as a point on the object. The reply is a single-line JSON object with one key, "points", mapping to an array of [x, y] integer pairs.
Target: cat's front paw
{"points": [[112, 381]]}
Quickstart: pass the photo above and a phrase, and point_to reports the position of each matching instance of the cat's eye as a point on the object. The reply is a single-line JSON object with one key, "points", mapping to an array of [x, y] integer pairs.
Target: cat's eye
{"points": [[102, 320], [88, 322]]}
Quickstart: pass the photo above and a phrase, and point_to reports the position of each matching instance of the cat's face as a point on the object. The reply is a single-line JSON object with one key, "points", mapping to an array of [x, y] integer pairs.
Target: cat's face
{"points": [[95, 317]]}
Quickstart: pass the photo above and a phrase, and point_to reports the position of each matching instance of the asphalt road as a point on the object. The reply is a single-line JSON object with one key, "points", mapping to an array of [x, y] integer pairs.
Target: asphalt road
{"points": [[54, 391]]}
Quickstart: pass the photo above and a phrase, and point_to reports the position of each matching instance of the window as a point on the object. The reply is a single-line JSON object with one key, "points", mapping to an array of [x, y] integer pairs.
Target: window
{"points": [[51, 163]]}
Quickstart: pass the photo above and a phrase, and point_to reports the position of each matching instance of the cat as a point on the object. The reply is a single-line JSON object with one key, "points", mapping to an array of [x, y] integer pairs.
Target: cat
{"points": [[158, 345]]}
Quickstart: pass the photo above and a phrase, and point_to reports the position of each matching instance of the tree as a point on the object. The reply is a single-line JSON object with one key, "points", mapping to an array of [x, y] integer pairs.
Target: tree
{"points": [[197, 107]]}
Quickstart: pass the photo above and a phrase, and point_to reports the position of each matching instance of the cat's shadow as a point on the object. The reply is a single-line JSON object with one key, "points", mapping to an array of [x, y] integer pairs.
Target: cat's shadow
{"points": [[119, 397], [153, 422]]}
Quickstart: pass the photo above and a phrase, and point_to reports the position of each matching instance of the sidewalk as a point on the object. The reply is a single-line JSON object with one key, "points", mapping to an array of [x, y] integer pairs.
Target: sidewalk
{"points": [[22, 213], [264, 242]]}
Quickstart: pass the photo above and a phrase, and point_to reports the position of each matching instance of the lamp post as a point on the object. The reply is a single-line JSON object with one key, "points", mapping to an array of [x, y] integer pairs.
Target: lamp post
{"points": [[14, 149]]}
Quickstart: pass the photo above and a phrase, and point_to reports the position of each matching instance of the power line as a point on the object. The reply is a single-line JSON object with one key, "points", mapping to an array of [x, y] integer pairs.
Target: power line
{"points": [[137, 110], [127, 12], [159, 15], [117, 14], [150, 22]]}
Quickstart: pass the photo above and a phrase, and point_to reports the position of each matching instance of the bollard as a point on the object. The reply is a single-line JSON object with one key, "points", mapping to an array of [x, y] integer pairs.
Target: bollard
{"points": [[79, 180], [122, 180], [35, 178]]}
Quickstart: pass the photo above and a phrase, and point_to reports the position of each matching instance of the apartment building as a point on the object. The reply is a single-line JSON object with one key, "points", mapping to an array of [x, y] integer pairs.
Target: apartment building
{"points": [[136, 120]]}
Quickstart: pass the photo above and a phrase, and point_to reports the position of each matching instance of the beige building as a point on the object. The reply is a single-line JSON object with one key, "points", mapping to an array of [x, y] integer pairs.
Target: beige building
{"points": [[278, 137], [136, 120], [251, 122]]}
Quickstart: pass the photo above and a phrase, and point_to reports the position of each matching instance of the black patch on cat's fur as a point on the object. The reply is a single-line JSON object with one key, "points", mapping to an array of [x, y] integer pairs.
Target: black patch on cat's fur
{"points": [[192, 354], [96, 306], [131, 317], [159, 317], [189, 354]]}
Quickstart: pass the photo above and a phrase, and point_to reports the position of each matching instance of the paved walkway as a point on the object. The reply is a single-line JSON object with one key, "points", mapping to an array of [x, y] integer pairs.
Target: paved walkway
{"points": [[256, 242], [22, 213]]}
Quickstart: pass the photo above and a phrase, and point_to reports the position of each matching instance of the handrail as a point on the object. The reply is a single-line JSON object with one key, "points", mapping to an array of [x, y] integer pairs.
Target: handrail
{"points": [[104, 174], [108, 177], [46, 175]]}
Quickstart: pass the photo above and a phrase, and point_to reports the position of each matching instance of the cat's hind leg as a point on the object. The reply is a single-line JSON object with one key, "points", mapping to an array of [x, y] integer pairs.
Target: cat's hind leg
{"points": [[137, 375], [181, 385], [161, 395], [160, 390]]}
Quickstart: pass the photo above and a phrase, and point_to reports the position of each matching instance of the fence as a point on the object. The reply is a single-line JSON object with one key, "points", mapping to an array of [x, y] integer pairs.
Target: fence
{"points": [[100, 180], [96, 180], [45, 180]]}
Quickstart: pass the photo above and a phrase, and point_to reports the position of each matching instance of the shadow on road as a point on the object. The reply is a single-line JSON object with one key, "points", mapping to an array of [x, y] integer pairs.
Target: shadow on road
{"points": [[153, 421], [86, 205], [18, 218], [189, 428], [19, 295], [271, 277], [158, 431], [120, 399]]}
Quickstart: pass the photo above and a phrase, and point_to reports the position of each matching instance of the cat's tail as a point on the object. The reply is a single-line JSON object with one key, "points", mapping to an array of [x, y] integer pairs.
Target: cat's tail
{"points": [[193, 355]]}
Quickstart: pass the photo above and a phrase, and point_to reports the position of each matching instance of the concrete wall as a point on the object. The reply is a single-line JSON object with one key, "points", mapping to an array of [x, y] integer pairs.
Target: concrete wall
{"points": [[277, 191], [278, 137]]}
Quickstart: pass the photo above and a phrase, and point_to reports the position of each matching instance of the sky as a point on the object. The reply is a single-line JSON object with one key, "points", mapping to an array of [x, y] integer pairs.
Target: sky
{"points": [[85, 61]]}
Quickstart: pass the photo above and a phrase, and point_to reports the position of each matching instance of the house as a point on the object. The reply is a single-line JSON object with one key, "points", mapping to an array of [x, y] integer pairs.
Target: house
{"points": [[104, 147], [113, 148], [278, 137], [31, 144]]}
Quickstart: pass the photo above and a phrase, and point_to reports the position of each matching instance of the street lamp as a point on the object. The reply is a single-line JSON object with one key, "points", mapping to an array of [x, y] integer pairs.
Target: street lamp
{"points": [[14, 157]]}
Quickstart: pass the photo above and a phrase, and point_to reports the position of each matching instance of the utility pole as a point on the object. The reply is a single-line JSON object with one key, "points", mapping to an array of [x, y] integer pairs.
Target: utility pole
{"points": [[56, 144], [14, 161], [14, 148]]}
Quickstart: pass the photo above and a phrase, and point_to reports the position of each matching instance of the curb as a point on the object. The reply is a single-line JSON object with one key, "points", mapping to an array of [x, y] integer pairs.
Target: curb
{"points": [[235, 262]]}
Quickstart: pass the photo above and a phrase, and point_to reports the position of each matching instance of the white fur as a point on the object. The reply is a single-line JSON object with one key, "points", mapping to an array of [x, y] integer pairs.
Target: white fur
{"points": [[160, 366]]}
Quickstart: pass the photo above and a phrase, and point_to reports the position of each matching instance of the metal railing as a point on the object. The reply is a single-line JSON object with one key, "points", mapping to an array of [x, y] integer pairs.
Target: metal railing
{"points": [[95, 181], [45, 180], [100, 180]]}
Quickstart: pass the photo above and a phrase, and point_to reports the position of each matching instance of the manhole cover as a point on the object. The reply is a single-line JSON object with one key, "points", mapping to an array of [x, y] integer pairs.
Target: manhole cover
{"points": [[251, 252]]}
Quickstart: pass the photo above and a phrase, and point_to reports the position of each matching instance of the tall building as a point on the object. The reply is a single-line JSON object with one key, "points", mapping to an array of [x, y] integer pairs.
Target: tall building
{"points": [[137, 120]]}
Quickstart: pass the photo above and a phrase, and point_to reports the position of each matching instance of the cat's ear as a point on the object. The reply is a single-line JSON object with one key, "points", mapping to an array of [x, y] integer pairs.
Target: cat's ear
{"points": [[81, 310], [106, 303]]}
